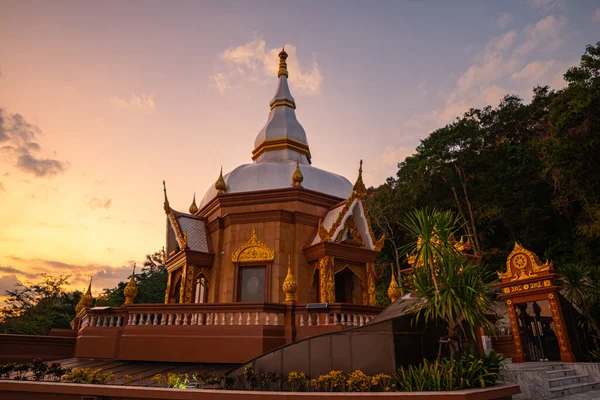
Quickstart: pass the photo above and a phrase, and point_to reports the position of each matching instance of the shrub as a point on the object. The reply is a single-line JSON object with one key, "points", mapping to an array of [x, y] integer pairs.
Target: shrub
{"points": [[468, 371], [383, 381], [333, 380], [273, 378], [228, 381], [358, 381], [160, 380], [593, 356], [296, 380], [21, 370], [248, 376], [6, 370], [57, 371], [177, 381], [89, 376], [39, 369]]}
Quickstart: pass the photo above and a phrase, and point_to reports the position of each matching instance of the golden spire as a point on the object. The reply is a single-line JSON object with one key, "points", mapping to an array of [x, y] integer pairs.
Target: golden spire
{"points": [[167, 206], [86, 299], [282, 63], [289, 284], [220, 184], [359, 186], [194, 207], [163, 254], [131, 289], [297, 176], [394, 290]]}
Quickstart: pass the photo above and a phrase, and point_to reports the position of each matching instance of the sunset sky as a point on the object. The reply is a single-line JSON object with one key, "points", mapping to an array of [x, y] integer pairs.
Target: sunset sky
{"points": [[101, 101]]}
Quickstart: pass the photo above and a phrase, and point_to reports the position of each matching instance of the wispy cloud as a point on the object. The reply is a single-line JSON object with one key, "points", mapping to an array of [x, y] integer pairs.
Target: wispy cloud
{"points": [[546, 32], [596, 15], [255, 61], [19, 146], [504, 19], [95, 203], [144, 102]]}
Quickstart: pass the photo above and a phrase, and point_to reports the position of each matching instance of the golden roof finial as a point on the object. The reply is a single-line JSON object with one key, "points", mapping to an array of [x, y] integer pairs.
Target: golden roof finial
{"points": [[167, 206], [86, 299], [220, 184], [289, 284], [297, 176], [131, 289], [194, 207], [282, 63], [394, 290], [359, 186], [163, 254]]}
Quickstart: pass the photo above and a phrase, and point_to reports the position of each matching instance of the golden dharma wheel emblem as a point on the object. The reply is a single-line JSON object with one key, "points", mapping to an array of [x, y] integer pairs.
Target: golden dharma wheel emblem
{"points": [[525, 286], [509, 302], [520, 261]]}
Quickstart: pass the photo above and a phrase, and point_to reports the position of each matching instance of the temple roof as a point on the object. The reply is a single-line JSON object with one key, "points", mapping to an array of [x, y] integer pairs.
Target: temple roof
{"points": [[279, 146]]}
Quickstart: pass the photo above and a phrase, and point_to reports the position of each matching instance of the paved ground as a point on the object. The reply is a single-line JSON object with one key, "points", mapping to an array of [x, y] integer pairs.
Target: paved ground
{"points": [[594, 395]]}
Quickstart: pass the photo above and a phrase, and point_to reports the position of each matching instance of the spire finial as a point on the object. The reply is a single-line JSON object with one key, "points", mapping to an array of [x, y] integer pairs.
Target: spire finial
{"points": [[394, 290], [359, 187], [131, 289], [167, 206], [297, 176], [282, 63], [289, 284], [86, 299], [194, 207], [220, 184]]}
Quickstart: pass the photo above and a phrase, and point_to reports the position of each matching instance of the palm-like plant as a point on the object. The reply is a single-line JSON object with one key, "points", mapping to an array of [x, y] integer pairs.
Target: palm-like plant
{"points": [[582, 289], [445, 284]]}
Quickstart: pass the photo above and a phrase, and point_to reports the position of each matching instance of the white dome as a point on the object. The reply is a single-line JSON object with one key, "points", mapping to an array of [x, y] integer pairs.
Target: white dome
{"points": [[278, 175]]}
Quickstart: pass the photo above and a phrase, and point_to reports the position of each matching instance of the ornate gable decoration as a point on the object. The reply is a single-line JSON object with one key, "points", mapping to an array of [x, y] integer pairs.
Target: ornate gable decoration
{"points": [[523, 264], [359, 194], [181, 236], [253, 250]]}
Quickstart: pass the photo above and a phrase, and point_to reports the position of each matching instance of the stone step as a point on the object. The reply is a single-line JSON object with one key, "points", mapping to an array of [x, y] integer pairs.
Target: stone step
{"points": [[567, 380], [573, 389], [558, 373]]}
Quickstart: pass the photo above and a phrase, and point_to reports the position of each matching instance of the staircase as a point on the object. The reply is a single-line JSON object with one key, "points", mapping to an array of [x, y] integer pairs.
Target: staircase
{"points": [[549, 380], [566, 381]]}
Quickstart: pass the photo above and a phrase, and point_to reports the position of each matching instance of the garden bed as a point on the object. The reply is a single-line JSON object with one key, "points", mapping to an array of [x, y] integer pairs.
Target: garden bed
{"points": [[26, 390]]}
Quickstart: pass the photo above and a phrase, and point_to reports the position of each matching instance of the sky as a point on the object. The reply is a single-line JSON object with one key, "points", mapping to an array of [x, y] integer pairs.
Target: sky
{"points": [[101, 101]]}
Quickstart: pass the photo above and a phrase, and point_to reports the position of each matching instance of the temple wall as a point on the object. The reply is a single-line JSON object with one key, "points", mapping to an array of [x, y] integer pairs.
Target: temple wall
{"points": [[24, 348]]}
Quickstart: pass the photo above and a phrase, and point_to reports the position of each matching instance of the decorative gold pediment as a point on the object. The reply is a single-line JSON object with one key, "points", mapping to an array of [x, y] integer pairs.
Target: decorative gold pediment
{"points": [[523, 264], [253, 250]]}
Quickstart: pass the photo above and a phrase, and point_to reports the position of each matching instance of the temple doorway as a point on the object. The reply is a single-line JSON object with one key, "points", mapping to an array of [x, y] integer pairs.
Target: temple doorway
{"points": [[344, 282], [537, 331]]}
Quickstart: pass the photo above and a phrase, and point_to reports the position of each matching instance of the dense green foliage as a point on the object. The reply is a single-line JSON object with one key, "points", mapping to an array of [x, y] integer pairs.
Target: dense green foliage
{"points": [[465, 372], [36, 308], [518, 172]]}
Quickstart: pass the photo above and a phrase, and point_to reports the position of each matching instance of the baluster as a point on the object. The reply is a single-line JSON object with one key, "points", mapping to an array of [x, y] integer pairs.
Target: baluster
{"points": [[318, 319], [231, 319], [361, 320], [92, 322], [155, 320], [201, 319], [327, 319], [119, 321], [267, 319], [223, 319], [128, 319], [170, 319], [163, 319], [257, 319], [248, 319], [177, 318], [103, 321], [309, 317], [208, 318], [355, 318], [111, 321], [148, 319], [276, 322], [240, 319], [185, 318], [301, 319], [216, 320]]}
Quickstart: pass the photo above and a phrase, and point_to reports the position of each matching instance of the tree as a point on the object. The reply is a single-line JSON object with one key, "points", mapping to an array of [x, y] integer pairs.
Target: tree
{"points": [[36, 308], [445, 284]]}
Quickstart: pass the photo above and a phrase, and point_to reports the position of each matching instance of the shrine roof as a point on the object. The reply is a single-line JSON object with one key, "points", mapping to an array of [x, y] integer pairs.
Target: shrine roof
{"points": [[195, 228]]}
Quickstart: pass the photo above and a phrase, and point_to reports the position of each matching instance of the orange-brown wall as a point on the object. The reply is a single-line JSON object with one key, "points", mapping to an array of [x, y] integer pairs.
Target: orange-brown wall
{"points": [[24, 348]]}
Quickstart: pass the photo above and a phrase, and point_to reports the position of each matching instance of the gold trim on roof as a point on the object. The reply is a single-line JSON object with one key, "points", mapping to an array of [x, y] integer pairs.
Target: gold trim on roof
{"points": [[193, 207], [277, 144], [220, 184], [253, 250], [522, 264], [181, 236], [282, 63]]}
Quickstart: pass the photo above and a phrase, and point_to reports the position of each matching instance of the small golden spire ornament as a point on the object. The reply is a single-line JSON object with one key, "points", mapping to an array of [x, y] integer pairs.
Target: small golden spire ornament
{"points": [[289, 284], [131, 289], [194, 207], [163, 254], [359, 186], [394, 290], [282, 63], [220, 184], [167, 206], [297, 176], [86, 299]]}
